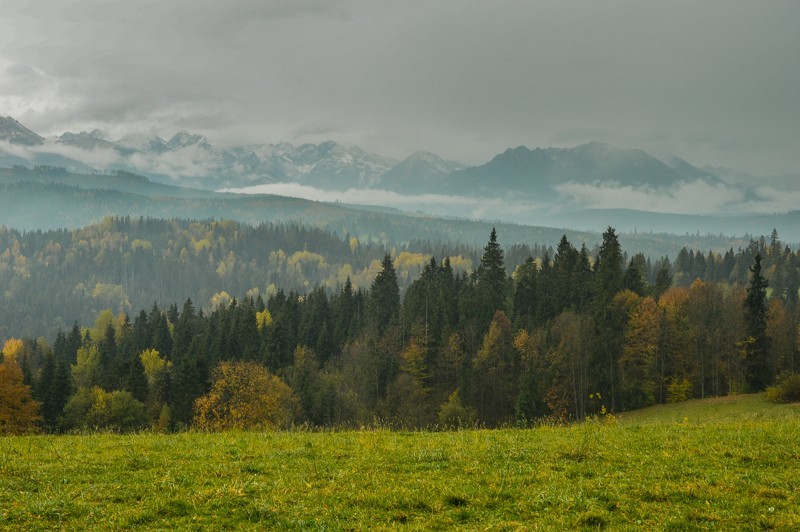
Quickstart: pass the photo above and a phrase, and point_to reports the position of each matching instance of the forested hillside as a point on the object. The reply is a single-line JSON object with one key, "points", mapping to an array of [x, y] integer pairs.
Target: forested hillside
{"points": [[44, 198], [51, 279], [417, 337]]}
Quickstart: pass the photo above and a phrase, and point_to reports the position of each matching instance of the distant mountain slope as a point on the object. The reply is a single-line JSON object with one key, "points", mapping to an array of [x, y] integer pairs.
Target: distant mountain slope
{"points": [[536, 172], [634, 221], [15, 133], [118, 181], [86, 141], [553, 186], [52, 199], [416, 173], [188, 158]]}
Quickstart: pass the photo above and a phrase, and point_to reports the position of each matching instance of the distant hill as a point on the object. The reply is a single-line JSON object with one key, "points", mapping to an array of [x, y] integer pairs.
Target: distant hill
{"points": [[632, 221], [416, 173], [53, 198], [537, 172]]}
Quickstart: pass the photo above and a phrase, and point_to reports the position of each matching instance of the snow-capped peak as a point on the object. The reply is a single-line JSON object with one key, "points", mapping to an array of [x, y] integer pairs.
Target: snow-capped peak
{"points": [[183, 139], [14, 132]]}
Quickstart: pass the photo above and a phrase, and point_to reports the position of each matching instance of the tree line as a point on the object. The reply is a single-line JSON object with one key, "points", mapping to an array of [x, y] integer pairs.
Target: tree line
{"points": [[563, 336], [50, 279]]}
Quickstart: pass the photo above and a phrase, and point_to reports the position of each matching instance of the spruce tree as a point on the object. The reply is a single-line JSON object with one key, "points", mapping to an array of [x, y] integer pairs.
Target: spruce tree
{"points": [[608, 281], [525, 293], [136, 382], [44, 391], [758, 373], [109, 377], [663, 279], [492, 281], [384, 296]]}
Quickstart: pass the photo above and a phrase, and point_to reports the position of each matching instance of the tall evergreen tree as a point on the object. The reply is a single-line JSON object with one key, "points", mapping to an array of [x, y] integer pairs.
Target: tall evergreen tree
{"points": [[109, 377], [384, 296], [608, 281], [609, 274], [525, 293], [184, 330], [635, 278], [663, 279], [565, 264], [758, 373], [135, 381], [492, 281], [344, 313], [43, 391]]}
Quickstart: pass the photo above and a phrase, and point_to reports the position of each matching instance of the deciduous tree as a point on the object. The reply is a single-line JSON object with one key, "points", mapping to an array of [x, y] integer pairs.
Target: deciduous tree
{"points": [[19, 413], [245, 396]]}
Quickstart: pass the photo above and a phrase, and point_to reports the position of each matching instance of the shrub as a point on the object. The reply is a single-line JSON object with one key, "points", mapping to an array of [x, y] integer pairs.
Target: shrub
{"points": [[245, 396], [453, 414], [786, 391], [94, 408], [678, 390]]}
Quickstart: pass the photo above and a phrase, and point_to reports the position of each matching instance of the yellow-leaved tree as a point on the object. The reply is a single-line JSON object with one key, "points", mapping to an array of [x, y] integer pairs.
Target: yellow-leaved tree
{"points": [[245, 396], [19, 413]]}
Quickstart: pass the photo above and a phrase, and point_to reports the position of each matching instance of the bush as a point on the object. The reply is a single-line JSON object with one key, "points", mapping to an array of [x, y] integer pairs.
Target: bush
{"points": [[678, 390], [94, 408], [786, 391], [245, 396], [453, 414]]}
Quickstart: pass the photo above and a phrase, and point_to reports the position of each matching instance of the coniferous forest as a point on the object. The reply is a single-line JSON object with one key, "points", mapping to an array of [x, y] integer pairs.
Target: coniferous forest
{"points": [[172, 324]]}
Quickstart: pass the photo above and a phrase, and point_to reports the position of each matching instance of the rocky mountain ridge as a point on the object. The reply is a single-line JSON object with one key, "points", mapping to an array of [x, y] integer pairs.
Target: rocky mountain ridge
{"points": [[190, 159]]}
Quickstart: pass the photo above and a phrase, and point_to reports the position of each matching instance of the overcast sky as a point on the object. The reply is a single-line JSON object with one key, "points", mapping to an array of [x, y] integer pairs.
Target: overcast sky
{"points": [[715, 82]]}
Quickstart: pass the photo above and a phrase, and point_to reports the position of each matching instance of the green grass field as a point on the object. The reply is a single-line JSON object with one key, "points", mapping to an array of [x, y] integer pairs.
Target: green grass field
{"points": [[724, 463]]}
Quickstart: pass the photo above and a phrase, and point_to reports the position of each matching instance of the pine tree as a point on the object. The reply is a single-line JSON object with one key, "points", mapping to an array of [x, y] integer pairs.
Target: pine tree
{"points": [[663, 279], [525, 296], [608, 281], [344, 313], [565, 264], [184, 330], [635, 279], [492, 281], [384, 296], [136, 381], [609, 275], [109, 378], [161, 338], [758, 373], [44, 391]]}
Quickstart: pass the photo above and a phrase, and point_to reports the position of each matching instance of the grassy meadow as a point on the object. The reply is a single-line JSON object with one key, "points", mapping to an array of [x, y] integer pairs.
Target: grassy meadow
{"points": [[729, 463]]}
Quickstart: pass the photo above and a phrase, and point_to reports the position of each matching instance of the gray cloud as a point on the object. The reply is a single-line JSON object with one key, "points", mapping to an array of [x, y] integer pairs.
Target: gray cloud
{"points": [[695, 197], [448, 205], [713, 82]]}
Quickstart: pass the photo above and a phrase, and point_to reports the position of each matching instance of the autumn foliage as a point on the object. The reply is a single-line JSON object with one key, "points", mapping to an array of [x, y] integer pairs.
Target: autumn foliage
{"points": [[245, 396], [19, 413]]}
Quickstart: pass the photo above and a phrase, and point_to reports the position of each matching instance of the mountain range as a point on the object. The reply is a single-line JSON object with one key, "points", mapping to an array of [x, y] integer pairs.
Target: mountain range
{"points": [[574, 187], [190, 159]]}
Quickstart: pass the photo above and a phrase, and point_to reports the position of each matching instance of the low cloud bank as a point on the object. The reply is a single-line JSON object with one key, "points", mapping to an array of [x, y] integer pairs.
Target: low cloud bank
{"points": [[695, 197], [442, 204]]}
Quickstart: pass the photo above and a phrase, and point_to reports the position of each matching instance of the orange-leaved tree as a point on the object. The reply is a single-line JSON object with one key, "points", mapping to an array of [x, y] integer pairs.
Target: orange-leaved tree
{"points": [[19, 413], [244, 395]]}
